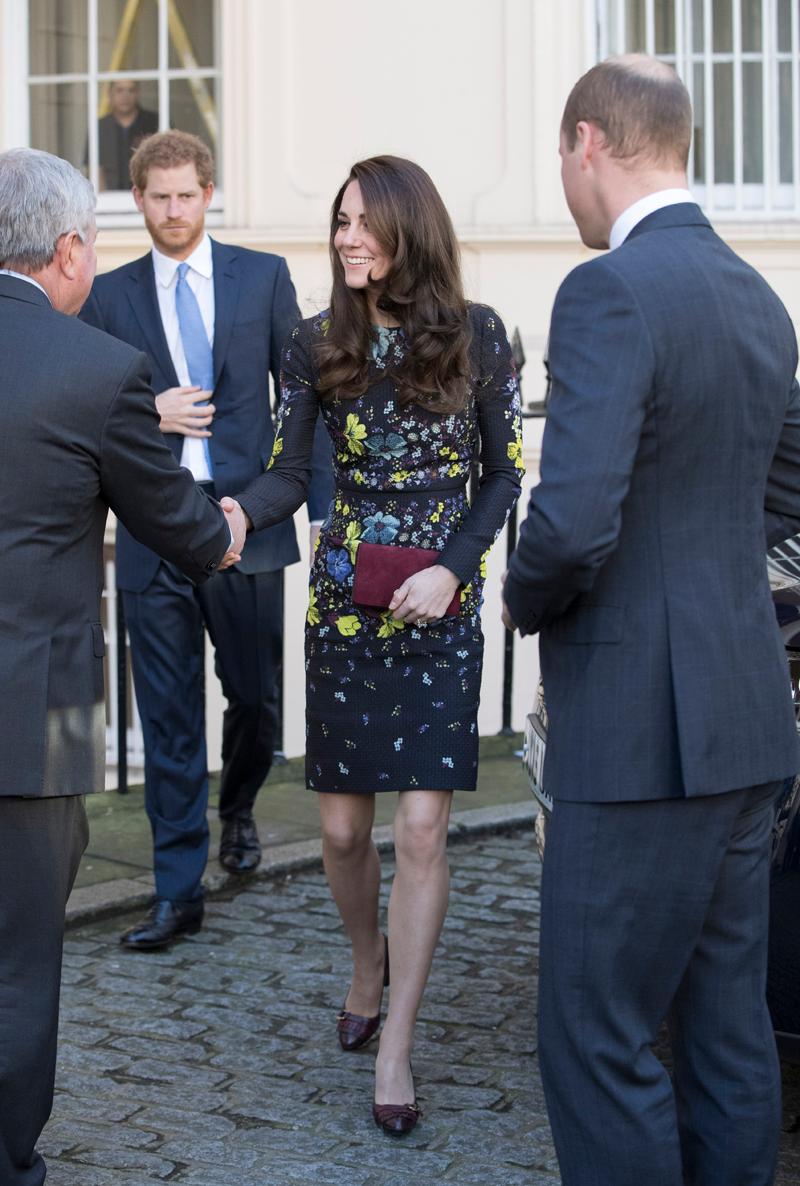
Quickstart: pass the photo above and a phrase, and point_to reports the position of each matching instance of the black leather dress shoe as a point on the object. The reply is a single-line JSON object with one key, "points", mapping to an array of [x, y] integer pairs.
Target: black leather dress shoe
{"points": [[163, 923], [239, 848]]}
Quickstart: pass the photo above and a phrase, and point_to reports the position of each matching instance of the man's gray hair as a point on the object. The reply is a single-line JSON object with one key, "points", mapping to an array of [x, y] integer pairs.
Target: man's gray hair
{"points": [[42, 197]]}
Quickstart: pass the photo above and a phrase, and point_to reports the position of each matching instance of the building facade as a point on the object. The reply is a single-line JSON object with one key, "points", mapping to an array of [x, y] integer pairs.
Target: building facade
{"points": [[289, 93]]}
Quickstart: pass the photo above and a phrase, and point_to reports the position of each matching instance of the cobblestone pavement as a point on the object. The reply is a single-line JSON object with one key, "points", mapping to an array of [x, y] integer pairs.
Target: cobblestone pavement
{"points": [[216, 1063]]}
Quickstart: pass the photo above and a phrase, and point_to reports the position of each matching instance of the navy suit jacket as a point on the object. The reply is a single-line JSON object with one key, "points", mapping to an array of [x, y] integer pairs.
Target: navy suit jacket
{"points": [[255, 311], [671, 459]]}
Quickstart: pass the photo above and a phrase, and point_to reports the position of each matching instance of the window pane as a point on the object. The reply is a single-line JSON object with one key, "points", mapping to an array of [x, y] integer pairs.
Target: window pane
{"points": [[665, 26], [785, 25], [785, 122], [128, 110], [751, 26], [191, 34], [127, 35], [723, 26], [635, 36], [57, 38], [59, 120], [752, 124], [723, 122], [698, 103], [698, 25], [193, 108]]}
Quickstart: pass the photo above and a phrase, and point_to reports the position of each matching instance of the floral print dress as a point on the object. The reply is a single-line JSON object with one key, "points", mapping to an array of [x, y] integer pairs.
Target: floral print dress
{"points": [[391, 706]]}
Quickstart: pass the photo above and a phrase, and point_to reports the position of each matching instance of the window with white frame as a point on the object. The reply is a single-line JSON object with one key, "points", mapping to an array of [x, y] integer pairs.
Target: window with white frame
{"points": [[740, 60], [101, 74]]}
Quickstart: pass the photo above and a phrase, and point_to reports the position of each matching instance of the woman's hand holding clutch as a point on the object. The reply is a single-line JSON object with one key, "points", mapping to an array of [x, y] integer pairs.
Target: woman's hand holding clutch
{"points": [[425, 596]]}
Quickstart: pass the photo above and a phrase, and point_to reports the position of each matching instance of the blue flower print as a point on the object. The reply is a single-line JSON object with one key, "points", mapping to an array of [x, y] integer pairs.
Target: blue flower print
{"points": [[379, 529], [389, 446], [338, 563]]}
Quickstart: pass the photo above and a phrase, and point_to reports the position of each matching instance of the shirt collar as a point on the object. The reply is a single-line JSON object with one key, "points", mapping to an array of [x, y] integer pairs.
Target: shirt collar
{"points": [[24, 276], [199, 261], [631, 217]]}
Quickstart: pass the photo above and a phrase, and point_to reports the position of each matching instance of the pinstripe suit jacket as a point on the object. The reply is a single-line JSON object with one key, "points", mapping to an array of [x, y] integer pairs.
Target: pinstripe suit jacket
{"points": [[671, 458]]}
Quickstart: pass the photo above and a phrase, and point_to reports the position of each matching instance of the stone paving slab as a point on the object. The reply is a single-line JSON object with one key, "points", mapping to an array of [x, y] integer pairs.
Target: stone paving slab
{"points": [[215, 1063]]}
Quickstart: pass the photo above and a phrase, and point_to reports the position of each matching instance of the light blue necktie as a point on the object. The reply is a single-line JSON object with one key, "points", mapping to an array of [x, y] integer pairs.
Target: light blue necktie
{"points": [[196, 348]]}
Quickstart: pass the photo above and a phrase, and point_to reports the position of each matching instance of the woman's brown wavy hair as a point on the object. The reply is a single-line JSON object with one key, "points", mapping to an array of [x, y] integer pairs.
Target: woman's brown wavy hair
{"points": [[422, 290]]}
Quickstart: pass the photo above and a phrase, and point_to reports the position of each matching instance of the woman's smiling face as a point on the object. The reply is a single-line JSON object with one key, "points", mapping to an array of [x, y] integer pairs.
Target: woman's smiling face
{"points": [[363, 259]]}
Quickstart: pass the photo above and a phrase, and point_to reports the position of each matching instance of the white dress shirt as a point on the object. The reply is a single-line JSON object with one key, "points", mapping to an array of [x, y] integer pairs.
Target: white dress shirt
{"points": [[631, 217], [200, 279], [23, 276]]}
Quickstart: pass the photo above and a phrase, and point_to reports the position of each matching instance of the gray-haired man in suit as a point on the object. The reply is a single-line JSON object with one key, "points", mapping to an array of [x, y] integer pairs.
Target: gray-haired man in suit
{"points": [[671, 458], [79, 433]]}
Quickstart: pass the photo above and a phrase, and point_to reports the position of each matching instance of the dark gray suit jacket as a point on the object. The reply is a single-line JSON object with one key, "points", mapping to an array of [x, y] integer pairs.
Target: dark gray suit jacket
{"points": [[78, 434], [671, 459]]}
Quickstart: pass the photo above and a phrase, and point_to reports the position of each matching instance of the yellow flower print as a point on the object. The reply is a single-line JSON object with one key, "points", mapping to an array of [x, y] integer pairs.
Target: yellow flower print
{"points": [[355, 433], [436, 515], [358, 477], [325, 326], [465, 592], [483, 565], [401, 475], [277, 449], [348, 624], [515, 453], [389, 625], [454, 470], [352, 539], [312, 616]]}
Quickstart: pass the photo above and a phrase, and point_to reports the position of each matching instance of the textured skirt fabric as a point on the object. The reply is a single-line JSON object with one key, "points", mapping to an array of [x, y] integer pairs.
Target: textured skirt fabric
{"points": [[389, 706]]}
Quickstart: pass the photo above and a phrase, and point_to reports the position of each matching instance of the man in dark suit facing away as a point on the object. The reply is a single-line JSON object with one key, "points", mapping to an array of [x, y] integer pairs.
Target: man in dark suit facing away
{"points": [[671, 459], [78, 434], [213, 319]]}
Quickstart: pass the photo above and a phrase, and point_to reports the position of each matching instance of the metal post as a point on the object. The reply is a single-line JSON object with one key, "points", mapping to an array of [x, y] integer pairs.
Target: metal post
{"points": [[279, 756], [508, 641], [122, 700]]}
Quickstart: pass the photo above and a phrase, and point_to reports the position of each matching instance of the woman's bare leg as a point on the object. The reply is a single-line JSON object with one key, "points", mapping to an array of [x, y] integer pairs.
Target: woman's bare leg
{"points": [[417, 909], [353, 869]]}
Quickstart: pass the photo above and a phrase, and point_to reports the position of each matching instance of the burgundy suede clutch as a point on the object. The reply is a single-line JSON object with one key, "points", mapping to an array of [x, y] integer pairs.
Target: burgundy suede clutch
{"points": [[382, 568]]}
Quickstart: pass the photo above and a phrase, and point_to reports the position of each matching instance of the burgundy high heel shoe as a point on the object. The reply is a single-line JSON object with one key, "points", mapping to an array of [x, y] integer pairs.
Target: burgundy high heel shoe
{"points": [[355, 1031], [397, 1120]]}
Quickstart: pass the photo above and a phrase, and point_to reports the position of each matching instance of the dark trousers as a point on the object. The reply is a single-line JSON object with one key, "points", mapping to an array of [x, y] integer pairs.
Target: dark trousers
{"points": [[41, 841], [244, 618], [657, 910]]}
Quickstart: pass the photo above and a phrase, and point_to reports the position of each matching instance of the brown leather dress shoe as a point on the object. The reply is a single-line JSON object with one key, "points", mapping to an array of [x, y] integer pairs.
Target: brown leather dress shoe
{"points": [[164, 922], [355, 1031], [239, 847]]}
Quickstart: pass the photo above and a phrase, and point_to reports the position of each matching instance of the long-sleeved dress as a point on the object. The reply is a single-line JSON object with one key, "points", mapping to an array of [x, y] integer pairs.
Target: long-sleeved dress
{"points": [[390, 705]]}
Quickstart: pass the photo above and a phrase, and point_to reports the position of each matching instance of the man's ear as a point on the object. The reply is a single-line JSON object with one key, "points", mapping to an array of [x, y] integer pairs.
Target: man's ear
{"points": [[208, 193], [138, 199], [65, 254], [589, 139]]}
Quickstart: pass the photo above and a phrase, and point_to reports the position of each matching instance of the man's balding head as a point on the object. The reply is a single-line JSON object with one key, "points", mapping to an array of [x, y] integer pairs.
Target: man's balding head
{"points": [[639, 105]]}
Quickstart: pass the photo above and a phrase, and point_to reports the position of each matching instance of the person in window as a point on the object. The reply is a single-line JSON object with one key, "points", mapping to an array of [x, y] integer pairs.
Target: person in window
{"points": [[410, 379], [120, 132]]}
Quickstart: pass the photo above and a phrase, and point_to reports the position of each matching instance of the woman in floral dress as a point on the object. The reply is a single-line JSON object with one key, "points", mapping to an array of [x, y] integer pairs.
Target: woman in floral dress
{"points": [[412, 382]]}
